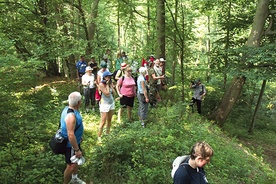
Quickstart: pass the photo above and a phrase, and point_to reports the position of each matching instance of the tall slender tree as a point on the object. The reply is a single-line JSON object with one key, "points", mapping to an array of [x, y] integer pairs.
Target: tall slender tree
{"points": [[232, 93]]}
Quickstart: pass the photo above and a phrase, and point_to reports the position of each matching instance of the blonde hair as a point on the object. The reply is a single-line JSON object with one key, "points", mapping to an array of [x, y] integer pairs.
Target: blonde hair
{"points": [[201, 149]]}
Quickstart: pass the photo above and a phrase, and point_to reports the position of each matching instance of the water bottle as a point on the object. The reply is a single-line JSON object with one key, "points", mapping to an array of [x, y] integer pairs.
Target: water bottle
{"points": [[59, 136]]}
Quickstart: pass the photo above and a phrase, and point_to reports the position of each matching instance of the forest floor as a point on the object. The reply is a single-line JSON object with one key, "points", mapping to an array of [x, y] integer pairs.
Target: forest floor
{"points": [[269, 152]]}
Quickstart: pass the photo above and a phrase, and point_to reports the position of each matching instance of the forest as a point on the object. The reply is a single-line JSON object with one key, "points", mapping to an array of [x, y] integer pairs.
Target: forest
{"points": [[228, 44]]}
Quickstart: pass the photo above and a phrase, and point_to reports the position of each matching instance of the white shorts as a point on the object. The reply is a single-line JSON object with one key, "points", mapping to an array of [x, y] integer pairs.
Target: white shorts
{"points": [[107, 107]]}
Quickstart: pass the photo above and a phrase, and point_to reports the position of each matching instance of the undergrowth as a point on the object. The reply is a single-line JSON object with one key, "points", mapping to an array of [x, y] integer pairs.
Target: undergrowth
{"points": [[129, 154]]}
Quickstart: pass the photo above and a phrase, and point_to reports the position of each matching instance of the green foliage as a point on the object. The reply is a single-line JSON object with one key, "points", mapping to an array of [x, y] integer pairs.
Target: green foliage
{"points": [[33, 40], [129, 154]]}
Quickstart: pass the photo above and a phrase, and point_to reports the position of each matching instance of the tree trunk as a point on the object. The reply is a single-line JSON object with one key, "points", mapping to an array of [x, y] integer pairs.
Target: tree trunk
{"points": [[119, 27], [251, 128], [228, 101], [148, 28], [85, 27], [230, 97], [174, 57], [93, 26], [160, 46], [208, 48]]}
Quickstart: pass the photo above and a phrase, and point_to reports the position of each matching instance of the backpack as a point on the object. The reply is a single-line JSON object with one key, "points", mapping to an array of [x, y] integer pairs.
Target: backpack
{"points": [[115, 73], [58, 142], [177, 162]]}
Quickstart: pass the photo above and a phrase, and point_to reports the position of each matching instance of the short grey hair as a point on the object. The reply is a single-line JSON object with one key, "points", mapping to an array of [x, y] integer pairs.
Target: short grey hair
{"points": [[74, 98], [142, 70]]}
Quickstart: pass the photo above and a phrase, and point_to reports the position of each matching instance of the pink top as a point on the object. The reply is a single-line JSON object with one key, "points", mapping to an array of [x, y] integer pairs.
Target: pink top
{"points": [[127, 86]]}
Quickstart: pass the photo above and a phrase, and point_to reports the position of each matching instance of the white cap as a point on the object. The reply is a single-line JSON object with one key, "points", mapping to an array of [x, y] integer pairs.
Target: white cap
{"points": [[162, 60], [88, 68]]}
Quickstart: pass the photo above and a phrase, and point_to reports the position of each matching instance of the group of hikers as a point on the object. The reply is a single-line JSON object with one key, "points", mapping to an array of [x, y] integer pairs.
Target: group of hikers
{"points": [[99, 86], [188, 169]]}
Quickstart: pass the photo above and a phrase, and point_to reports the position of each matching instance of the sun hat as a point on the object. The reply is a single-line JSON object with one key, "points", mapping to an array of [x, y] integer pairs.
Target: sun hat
{"points": [[107, 73], [123, 65], [88, 68], [105, 57], [162, 60]]}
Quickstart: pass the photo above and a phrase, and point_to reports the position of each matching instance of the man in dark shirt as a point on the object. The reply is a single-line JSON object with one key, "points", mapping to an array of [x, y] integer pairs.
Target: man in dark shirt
{"points": [[93, 64]]}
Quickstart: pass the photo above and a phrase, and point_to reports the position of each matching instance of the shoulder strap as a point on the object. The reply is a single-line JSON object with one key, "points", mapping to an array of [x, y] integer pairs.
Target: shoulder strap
{"points": [[70, 110]]}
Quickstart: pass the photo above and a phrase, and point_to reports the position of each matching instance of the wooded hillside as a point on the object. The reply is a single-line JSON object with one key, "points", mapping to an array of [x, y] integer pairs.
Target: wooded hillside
{"points": [[229, 45]]}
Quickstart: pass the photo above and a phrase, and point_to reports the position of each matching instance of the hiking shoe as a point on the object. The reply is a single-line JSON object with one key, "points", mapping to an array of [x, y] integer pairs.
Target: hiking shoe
{"points": [[143, 124], [77, 181], [99, 140]]}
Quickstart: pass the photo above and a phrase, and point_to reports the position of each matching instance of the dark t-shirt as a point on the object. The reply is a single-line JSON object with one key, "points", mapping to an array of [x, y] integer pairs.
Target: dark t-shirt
{"points": [[185, 174], [95, 70]]}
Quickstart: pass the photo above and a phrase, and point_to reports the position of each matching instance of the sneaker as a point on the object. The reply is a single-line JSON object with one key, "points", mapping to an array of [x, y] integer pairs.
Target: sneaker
{"points": [[86, 110], [143, 124], [99, 140], [77, 181]]}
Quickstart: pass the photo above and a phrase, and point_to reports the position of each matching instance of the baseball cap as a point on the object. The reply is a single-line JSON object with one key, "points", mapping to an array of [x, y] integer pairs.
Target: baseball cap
{"points": [[107, 73]]}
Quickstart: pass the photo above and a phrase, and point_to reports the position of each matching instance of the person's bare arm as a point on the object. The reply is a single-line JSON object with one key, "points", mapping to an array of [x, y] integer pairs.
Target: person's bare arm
{"points": [[70, 120], [145, 90]]}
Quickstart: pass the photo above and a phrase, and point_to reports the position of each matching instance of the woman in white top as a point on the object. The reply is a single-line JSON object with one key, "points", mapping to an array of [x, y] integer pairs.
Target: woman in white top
{"points": [[88, 83], [107, 104]]}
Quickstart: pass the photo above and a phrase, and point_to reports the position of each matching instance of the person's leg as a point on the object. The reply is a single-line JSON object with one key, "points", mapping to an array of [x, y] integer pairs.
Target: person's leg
{"points": [[120, 111], [93, 100], [129, 110], [198, 104], [89, 97], [140, 105], [109, 119], [143, 110], [102, 123], [158, 89], [86, 98], [152, 95], [70, 167], [129, 103]]}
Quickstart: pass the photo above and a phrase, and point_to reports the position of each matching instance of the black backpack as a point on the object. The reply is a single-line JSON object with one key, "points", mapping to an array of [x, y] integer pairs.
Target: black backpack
{"points": [[114, 74]]}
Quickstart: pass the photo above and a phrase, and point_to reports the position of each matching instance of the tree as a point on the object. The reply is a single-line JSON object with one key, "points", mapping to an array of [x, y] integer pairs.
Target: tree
{"points": [[161, 24], [232, 93]]}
